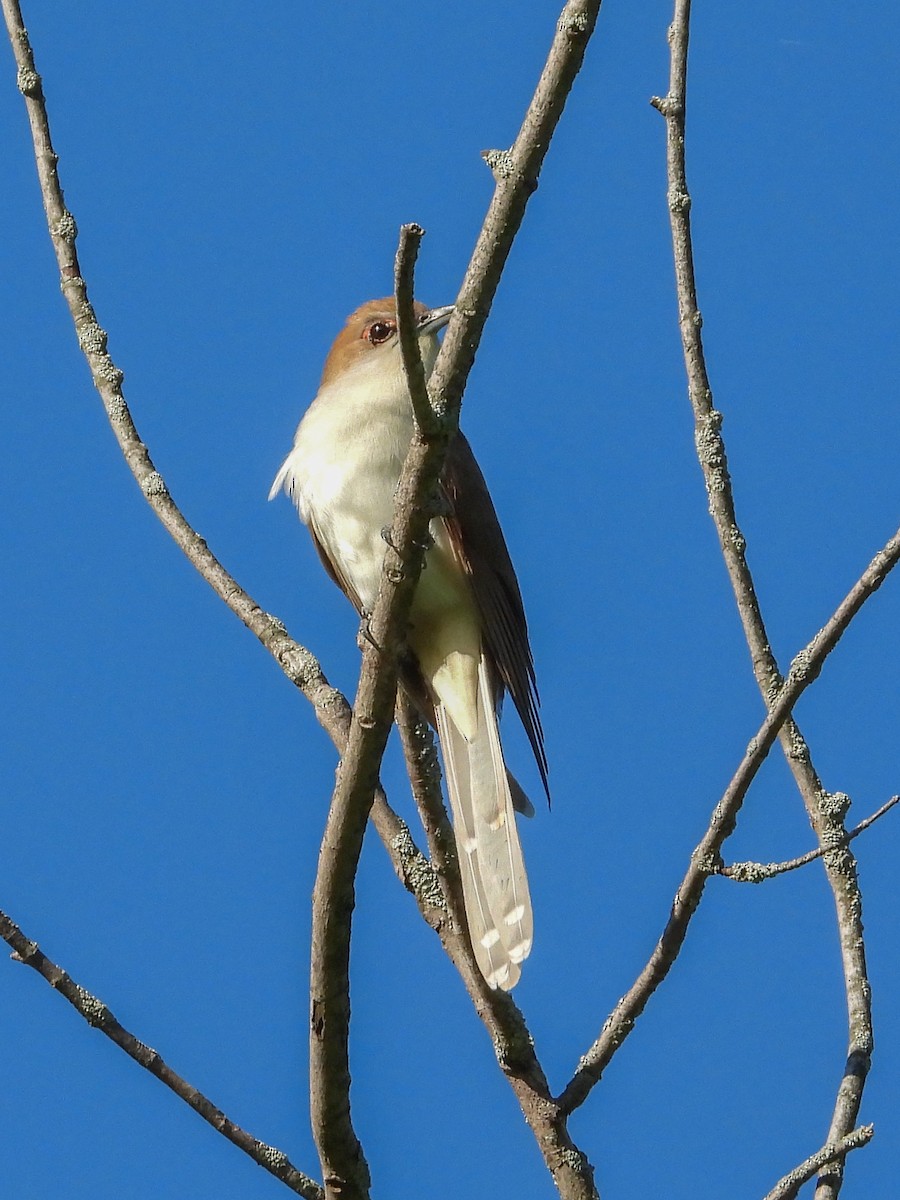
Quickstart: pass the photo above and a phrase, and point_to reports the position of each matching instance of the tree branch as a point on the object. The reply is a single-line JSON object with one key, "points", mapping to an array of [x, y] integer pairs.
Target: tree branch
{"points": [[788, 1187], [516, 178], [404, 296], [300, 666], [705, 859], [757, 872], [345, 1171], [515, 181], [516, 172], [99, 1017], [502, 1018], [825, 817], [420, 753], [295, 660]]}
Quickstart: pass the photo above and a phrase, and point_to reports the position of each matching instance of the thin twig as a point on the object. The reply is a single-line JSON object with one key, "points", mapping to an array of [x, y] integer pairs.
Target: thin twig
{"points": [[97, 1015], [300, 666], [413, 869], [826, 817], [757, 872], [345, 1171], [705, 859], [502, 1017], [407, 326], [420, 753], [516, 173], [788, 1187]]}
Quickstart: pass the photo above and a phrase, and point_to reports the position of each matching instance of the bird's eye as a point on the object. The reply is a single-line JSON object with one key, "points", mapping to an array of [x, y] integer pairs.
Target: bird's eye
{"points": [[379, 331]]}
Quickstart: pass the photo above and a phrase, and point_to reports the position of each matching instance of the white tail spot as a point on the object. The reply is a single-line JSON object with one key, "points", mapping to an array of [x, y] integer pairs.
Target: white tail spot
{"points": [[499, 977], [520, 951]]}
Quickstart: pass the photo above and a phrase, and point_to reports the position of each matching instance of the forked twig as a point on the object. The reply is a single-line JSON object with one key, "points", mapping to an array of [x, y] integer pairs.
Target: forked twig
{"points": [[706, 858], [516, 179], [757, 872], [571, 1171], [780, 695], [788, 1187], [825, 814]]}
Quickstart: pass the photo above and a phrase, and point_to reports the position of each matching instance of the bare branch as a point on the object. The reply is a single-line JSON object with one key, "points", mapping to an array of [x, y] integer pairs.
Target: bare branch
{"points": [[516, 173], [515, 182], [333, 896], [705, 859], [404, 295], [413, 869], [826, 821], [422, 766], [99, 1017], [296, 661], [788, 1187], [503, 1020], [756, 872], [345, 1171]]}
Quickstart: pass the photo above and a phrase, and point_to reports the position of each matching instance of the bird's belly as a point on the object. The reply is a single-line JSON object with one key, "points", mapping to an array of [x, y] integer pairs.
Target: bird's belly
{"points": [[357, 522], [346, 468], [352, 512], [350, 508]]}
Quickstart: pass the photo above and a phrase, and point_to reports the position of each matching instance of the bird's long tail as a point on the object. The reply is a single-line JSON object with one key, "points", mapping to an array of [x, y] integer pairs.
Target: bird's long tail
{"points": [[495, 887]]}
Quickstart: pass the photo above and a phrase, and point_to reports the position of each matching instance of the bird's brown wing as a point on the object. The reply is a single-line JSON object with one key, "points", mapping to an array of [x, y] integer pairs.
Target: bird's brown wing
{"points": [[480, 547], [332, 567]]}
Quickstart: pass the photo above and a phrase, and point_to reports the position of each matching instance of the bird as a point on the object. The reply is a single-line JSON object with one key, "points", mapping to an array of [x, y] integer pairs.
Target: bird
{"points": [[467, 639]]}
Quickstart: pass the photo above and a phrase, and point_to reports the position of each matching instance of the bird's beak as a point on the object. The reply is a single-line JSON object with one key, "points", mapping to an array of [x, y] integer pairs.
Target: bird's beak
{"points": [[436, 319]]}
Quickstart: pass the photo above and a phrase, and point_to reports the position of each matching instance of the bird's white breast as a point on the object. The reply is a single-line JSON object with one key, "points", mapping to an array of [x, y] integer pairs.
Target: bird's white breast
{"points": [[343, 471], [342, 474]]}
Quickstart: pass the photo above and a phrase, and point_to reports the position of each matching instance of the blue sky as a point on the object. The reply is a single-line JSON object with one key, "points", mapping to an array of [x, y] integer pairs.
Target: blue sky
{"points": [[238, 179]]}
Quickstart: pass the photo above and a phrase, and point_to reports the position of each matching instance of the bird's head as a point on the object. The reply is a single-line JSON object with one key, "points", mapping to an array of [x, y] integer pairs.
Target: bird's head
{"points": [[369, 341]]}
